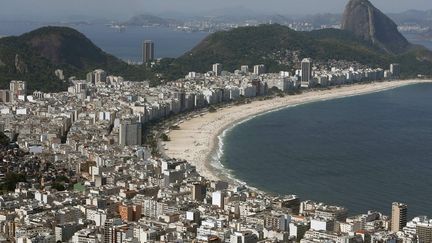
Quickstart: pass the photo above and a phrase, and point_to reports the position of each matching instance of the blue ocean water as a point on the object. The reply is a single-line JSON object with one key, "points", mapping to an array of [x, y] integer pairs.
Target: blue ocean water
{"points": [[126, 45], [362, 152]]}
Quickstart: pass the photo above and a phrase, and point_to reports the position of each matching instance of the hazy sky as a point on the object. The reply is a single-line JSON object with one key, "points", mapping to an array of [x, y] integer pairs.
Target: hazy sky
{"points": [[120, 9]]}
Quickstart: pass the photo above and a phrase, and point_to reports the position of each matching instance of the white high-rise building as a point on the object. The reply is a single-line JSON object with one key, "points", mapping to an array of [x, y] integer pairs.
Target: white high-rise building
{"points": [[217, 69], [218, 199], [259, 69], [99, 76]]}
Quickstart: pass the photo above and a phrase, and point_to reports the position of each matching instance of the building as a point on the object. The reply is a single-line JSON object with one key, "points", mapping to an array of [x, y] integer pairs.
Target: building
{"points": [[395, 70], [90, 78], [85, 236], [424, 232], [65, 232], [5, 96], [130, 134], [198, 191], [130, 212], [306, 72], [243, 237], [398, 217], [218, 198], [259, 69], [217, 69], [99, 76], [244, 69], [148, 51], [17, 89]]}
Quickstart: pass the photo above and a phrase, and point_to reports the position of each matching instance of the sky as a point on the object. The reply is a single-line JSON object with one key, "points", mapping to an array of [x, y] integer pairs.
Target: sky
{"points": [[122, 9]]}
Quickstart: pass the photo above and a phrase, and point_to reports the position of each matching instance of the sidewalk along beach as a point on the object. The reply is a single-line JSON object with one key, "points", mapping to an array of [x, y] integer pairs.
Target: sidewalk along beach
{"points": [[199, 140]]}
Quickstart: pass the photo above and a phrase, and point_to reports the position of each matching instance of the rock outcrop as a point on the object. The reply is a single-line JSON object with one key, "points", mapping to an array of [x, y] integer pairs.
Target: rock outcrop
{"points": [[369, 23]]}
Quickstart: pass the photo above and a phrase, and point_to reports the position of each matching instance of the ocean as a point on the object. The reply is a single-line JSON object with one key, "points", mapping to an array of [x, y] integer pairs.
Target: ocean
{"points": [[362, 152], [126, 45]]}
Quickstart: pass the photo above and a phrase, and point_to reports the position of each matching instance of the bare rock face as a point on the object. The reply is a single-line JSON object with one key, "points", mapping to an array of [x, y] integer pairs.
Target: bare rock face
{"points": [[369, 23], [20, 65]]}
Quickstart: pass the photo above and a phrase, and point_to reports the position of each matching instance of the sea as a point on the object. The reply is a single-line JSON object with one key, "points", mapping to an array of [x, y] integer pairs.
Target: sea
{"points": [[362, 152], [127, 44]]}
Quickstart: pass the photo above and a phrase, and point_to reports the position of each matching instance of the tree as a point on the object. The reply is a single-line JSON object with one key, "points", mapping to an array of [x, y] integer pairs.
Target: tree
{"points": [[4, 140], [212, 109], [165, 137]]}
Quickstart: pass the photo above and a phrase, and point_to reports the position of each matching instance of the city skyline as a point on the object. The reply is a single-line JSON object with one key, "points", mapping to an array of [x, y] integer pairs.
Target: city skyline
{"points": [[110, 9]]}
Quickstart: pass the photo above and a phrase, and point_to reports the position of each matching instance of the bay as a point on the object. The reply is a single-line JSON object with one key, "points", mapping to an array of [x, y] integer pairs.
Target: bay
{"points": [[362, 152]]}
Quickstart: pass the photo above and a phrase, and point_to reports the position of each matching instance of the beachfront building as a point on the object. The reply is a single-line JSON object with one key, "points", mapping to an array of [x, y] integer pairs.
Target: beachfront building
{"points": [[398, 216], [100, 183], [306, 72]]}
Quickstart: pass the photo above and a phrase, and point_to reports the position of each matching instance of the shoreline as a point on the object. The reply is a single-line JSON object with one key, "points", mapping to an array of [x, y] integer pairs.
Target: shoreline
{"points": [[200, 140]]}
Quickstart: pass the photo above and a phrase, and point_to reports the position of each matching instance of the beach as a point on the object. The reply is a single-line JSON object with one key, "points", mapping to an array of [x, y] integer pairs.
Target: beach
{"points": [[197, 139]]}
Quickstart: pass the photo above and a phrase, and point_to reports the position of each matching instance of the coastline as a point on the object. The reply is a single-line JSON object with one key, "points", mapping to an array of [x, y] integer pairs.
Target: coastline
{"points": [[200, 140]]}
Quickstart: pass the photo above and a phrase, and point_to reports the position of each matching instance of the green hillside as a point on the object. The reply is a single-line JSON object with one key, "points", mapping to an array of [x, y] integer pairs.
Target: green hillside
{"points": [[274, 46], [35, 55]]}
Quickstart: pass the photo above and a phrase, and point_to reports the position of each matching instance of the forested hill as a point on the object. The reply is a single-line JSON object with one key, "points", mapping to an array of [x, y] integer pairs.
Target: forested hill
{"points": [[35, 56]]}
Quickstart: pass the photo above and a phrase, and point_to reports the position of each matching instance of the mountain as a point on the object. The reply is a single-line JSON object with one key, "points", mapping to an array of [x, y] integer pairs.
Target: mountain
{"points": [[151, 20], [369, 23], [281, 48], [35, 56], [419, 17]]}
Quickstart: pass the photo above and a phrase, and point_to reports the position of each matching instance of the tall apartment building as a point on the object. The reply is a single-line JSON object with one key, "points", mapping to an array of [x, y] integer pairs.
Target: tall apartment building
{"points": [[399, 216], [217, 69], [97, 76], [17, 88], [130, 134], [148, 51], [259, 69], [306, 72], [395, 70]]}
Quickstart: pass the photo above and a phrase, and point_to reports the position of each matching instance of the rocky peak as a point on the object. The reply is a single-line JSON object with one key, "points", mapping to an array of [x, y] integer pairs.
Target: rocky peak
{"points": [[369, 23]]}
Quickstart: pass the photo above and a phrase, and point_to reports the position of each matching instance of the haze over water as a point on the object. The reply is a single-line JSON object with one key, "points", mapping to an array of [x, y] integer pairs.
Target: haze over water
{"points": [[362, 152], [127, 45]]}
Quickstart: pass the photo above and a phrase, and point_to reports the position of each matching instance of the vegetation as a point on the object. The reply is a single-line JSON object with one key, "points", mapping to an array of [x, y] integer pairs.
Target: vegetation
{"points": [[212, 109], [165, 137], [175, 127], [35, 56], [4, 140], [11, 180], [278, 46]]}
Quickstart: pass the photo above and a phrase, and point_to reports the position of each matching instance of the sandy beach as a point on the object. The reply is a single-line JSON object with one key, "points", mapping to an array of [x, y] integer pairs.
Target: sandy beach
{"points": [[197, 139]]}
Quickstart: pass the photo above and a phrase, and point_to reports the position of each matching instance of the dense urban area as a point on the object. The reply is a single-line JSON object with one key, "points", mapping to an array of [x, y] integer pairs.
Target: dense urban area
{"points": [[87, 165]]}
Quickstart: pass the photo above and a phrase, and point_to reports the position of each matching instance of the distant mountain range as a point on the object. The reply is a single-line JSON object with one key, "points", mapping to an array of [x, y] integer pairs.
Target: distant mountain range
{"points": [[35, 56]]}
